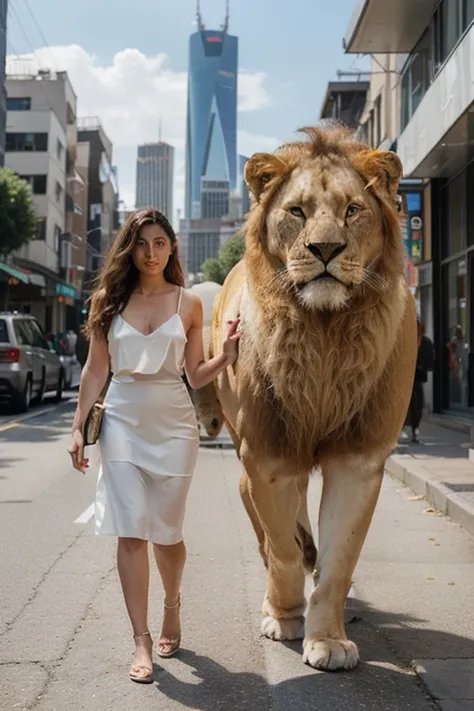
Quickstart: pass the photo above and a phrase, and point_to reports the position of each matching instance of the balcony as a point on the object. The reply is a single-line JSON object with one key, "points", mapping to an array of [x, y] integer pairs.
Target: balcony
{"points": [[438, 138], [380, 26]]}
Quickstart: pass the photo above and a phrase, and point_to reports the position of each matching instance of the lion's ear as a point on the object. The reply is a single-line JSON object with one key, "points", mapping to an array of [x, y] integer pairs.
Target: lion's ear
{"points": [[382, 170], [260, 169]]}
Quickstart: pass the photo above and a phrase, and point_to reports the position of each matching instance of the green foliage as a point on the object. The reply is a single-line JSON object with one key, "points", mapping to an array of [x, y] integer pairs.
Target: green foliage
{"points": [[212, 271], [229, 255], [17, 212]]}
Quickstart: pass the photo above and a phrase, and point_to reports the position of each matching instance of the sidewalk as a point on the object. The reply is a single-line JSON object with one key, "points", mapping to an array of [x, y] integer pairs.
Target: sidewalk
{"points": [[440, 470]]}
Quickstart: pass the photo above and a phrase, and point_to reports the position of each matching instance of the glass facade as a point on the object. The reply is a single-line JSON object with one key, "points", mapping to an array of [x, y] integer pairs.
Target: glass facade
{"points": [[3, 93], [155, 177], [457, 294], [211, 150], [214, 199]]}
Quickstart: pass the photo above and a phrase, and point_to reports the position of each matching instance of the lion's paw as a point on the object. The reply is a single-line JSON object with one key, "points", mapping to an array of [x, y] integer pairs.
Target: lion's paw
{"points": [[330, 654], [282, 629]]}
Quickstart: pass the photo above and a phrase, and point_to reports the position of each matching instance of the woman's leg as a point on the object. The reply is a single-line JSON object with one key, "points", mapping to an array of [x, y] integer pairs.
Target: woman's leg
{"points": [[170, 561], [134, 571]]}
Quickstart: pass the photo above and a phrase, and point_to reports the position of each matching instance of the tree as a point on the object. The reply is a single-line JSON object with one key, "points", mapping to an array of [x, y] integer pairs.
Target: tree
{"points": [[212, 271], [229, 255], [17, 212]]}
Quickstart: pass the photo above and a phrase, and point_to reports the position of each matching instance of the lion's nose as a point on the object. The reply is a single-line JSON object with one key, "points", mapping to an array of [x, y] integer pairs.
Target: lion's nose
{"points": [[327, 251]]}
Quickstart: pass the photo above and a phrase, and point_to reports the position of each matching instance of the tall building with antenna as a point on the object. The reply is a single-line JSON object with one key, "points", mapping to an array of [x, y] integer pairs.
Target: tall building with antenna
{"points": [[3, 93], [211, 140], [155, 174]]}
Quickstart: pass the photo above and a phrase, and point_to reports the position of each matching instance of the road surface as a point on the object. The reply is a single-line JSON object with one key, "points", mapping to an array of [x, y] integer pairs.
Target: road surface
{"points": [[65, 642]]}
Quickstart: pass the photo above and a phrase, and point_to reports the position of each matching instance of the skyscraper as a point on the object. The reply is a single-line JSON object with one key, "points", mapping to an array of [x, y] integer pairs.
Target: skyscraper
{"points": [[3, 93], [155, 177], [211, 150]]}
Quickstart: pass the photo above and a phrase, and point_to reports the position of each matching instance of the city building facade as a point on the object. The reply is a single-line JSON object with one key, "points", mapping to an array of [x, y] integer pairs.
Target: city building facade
{"points": [[244, 191], [434, 44], [40, 147], [199, 240], [211, 136], [155, 176], [345, 100], [102, 197], [3, 91]]}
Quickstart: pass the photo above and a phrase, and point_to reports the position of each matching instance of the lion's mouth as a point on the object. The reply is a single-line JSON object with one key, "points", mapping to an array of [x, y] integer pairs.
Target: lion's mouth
{"points": [[323, 276]]}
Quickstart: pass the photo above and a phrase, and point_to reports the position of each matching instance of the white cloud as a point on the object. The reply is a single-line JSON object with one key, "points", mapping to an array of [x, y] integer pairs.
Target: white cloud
{"points": [[131, 95]]}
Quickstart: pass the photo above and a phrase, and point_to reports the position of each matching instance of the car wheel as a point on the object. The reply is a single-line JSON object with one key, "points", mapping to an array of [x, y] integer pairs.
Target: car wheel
{"points": [[60, 388], [23, 399], [40, 397]]}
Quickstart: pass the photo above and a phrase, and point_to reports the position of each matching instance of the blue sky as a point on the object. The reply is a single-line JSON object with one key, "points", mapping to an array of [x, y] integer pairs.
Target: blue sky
{"points": [[287, 56]]}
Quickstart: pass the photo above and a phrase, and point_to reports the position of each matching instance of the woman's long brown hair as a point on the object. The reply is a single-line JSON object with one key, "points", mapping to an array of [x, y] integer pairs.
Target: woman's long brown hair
{"points": [[119, 275]]}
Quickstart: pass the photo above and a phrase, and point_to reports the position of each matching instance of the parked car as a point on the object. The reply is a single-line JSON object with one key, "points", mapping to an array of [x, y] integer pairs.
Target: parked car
{"points": [[72, 370], [29, 368]]}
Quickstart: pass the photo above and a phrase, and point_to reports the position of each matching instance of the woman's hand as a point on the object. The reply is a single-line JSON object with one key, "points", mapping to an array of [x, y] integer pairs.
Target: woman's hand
{"points": [[76, 450], [231, 344]]}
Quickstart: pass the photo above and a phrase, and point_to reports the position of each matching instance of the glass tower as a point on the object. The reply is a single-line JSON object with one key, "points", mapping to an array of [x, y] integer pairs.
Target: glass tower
{"points": [[3, 93], [211, 136]]}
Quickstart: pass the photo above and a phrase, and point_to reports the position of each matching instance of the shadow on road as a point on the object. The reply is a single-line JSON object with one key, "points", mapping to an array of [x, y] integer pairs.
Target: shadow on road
{"points": [[388, 644], [370, 687], [43, 427]]}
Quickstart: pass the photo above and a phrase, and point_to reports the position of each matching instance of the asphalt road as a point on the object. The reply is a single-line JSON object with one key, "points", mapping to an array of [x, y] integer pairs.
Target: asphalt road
{"points": [[65, 642]]}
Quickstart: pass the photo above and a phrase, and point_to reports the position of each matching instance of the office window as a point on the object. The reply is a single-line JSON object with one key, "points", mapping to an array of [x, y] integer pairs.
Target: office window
{"points": [[468, 13], [26, 142], [41, 228], [36, 182], [378, 120], [57, 235], [58, 190], [21, 104]]}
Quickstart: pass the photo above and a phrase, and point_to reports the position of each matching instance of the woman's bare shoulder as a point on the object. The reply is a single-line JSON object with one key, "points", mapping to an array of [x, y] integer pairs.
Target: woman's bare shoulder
{"points": [[191, 307]]}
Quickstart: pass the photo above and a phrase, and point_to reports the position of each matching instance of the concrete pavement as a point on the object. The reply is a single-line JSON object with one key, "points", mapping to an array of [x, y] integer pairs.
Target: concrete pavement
{"points": [[441, 470], [65, 641]]}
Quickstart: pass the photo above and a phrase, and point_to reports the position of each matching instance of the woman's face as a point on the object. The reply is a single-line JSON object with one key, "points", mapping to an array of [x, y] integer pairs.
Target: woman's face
{"points": [[152, 250]]}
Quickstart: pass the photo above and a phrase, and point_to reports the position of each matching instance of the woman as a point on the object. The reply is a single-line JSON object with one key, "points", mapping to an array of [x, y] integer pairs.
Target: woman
{"points": [[149, 329]]}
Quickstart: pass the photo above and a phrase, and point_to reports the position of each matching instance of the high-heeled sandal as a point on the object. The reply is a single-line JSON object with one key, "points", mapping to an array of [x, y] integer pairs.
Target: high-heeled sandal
{"points": [[140, 678], [172, 643]]}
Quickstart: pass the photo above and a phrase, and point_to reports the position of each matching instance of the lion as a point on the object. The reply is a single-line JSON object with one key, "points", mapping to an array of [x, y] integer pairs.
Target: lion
{"points": [[324, 373]]}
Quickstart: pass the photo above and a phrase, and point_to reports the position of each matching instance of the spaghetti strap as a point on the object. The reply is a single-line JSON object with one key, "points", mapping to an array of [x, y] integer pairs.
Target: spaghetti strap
{"points": [[179, 300]]}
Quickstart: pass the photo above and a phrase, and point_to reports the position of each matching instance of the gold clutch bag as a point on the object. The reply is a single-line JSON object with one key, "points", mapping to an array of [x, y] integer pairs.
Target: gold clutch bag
{"points": [[93, 424]]}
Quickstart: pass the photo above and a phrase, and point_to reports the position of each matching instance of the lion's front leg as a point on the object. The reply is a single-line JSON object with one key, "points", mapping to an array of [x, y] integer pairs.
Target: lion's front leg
{"points": [[276, 499], [351, 487]]}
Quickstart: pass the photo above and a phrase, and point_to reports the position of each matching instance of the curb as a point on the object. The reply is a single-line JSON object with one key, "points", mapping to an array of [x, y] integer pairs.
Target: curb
{"points": [[437, 494]]}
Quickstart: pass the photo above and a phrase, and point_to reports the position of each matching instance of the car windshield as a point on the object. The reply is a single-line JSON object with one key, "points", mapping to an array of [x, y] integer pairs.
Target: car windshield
{"points": [[4, 338]]}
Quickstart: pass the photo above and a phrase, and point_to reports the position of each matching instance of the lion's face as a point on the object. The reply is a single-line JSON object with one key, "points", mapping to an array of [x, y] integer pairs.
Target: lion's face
{"points": [[323, 210], [326, 230]]}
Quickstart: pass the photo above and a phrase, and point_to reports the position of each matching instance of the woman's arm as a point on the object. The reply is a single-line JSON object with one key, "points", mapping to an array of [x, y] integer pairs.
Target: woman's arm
{"points": [[93, 378], [199, 372]]}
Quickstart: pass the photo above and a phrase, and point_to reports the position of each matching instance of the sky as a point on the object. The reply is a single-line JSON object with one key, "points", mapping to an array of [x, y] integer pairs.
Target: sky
{"points": [[127, 60]]}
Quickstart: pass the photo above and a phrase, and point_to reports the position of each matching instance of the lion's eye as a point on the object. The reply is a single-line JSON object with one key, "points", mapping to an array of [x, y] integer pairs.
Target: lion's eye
{"points": [[352, 209], [297, 211]]}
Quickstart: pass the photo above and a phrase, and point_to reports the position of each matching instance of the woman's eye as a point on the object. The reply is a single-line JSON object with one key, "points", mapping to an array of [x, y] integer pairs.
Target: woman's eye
{"points": [[297, 211], [352, 209]]}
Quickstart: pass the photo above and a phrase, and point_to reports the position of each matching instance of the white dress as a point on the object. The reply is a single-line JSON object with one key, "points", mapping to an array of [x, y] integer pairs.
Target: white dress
{"points": [[149, 439]]}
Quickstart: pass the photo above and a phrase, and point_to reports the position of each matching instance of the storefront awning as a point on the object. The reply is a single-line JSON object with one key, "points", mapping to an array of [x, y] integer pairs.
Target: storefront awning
{"points": [[15, 273]]}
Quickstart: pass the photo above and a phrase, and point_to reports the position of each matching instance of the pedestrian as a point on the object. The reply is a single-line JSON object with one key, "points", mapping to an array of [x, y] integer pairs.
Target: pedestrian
{"points": [[424, 364], [149, 329]]}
